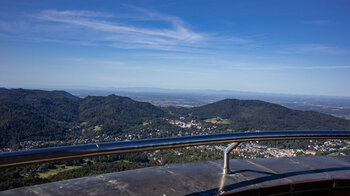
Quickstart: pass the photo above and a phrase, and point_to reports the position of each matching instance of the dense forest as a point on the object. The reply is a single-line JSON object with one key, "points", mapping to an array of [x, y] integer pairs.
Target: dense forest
{"points": [[259, 115], [57, 115], [45, 115]]}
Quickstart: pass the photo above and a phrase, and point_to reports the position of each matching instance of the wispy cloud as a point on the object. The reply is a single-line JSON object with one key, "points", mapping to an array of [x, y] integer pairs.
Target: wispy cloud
{"points": [[289, 67], [125, 34], [116, 65], [316, 22], [205, 67], [135, 28], [83, 18], [82, 13], [275, 67], [318, 49]]}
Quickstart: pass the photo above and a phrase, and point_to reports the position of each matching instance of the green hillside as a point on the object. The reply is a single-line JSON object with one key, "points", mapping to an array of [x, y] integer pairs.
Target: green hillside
{"points": [[254, 114], [115, 113], [57, 115], [49, 115]]}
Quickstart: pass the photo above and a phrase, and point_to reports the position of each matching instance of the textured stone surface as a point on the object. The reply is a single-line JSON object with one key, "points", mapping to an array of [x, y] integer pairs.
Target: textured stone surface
{"points": [[204, 178]]}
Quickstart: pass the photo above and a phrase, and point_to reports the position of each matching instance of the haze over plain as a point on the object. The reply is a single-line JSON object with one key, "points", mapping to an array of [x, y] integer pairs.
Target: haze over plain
{"points": [[294, 47]]}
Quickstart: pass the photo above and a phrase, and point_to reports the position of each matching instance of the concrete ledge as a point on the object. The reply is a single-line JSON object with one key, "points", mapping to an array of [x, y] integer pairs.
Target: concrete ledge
{"points": [[249, 177]]}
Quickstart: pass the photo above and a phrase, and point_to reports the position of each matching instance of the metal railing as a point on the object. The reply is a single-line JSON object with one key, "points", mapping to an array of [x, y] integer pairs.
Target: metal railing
{"points": [[25, 157]]}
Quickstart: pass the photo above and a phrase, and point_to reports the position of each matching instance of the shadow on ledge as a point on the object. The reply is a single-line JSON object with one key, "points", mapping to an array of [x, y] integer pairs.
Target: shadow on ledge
{"points": [[309, 175]]}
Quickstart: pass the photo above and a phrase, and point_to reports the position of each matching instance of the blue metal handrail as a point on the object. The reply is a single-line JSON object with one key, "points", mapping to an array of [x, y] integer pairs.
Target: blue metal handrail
{"points": [[40, 155]]}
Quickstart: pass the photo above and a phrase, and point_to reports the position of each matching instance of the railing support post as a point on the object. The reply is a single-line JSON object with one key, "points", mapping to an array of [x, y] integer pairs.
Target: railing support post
{"points": [[227, 158]]}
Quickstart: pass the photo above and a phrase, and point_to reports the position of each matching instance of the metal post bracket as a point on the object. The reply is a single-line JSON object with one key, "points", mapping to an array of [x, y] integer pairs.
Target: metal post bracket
{"points": [[227, 158]]}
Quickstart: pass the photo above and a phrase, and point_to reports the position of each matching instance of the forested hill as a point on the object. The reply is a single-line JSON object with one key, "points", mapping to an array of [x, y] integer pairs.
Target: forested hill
{"points": [[57, 115], [115, 113], [2, 90], [54, 115], [253, 114]]}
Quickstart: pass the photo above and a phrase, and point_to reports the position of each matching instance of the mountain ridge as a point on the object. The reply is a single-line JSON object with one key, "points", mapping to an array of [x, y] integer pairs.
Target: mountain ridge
{"points": [[58, 115]]}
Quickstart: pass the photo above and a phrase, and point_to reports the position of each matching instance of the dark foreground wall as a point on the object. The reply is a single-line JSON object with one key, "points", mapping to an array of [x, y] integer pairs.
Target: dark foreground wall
{"points": [[297, 175]]}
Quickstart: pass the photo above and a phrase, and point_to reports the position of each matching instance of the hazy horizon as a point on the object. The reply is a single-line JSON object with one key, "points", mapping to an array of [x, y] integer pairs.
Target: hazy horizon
{"points": [[168, 90], [280, 47]]}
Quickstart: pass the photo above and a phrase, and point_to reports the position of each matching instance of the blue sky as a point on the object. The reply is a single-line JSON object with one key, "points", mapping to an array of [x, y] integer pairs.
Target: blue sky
{"points": [[293, 47]]}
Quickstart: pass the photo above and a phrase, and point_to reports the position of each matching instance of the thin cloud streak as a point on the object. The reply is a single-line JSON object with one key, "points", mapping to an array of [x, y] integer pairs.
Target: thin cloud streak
{"points": [[205, 69], [282, 67], [314, 49], [322, 48], [81, 13], [316, 22], [127, 35], [118, 31]]}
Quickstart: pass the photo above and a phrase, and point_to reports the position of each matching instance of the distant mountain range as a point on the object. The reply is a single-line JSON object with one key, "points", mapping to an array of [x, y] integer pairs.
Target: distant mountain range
{"points": [[336, 106], [58, 115]]}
